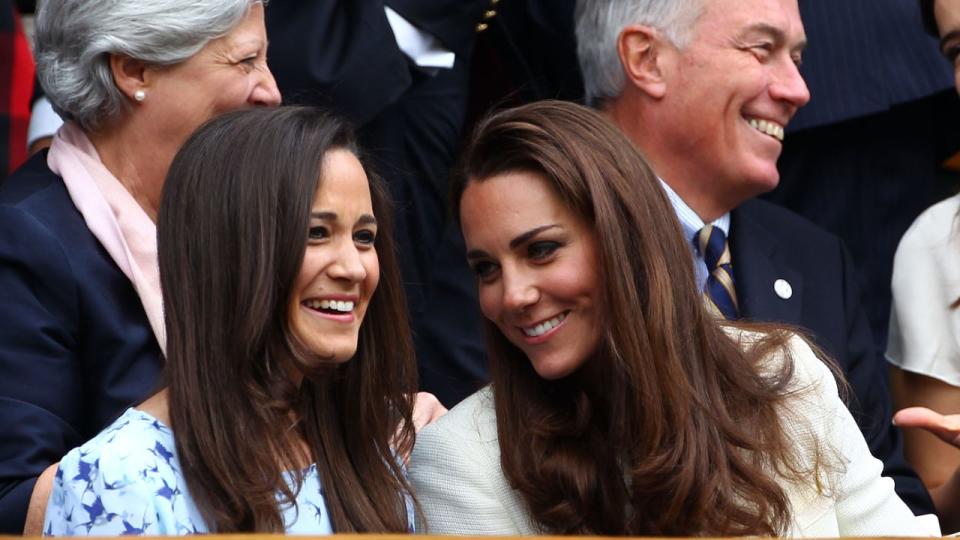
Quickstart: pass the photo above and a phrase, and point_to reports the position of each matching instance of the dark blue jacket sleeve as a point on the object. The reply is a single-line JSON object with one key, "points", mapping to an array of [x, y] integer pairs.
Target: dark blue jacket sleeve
{"points": [[39, 373]]}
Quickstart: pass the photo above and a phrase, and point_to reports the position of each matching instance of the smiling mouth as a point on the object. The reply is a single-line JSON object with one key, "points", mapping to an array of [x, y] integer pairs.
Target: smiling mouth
{"points": [[330, 307], [542, 328], [767, 127]]}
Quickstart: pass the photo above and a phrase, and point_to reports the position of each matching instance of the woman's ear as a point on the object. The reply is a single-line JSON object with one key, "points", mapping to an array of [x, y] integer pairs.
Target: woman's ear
{"points": [[641, 50], [129, 75]]}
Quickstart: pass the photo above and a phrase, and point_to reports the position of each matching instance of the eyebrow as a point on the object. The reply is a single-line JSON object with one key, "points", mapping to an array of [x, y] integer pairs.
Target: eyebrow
{"points": [[364, 219], [774, 32], [518, 240]]}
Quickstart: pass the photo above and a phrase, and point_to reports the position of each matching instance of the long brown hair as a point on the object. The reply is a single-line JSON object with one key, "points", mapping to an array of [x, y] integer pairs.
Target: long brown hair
{"points": [[232, 233], [671, 428]]}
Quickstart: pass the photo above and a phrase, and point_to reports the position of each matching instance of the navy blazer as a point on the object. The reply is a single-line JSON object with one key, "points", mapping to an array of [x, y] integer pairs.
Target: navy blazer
{"points": [[769, 243], [343, 54], [76, 348]]}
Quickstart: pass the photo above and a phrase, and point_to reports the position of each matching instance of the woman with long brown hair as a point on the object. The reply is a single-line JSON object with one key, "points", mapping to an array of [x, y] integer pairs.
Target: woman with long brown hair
{"points": [[289, 376], [619, 405]]}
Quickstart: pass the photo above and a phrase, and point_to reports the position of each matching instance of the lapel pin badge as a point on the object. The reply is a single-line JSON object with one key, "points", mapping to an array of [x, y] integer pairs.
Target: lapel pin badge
{"points": [[783, 289]]}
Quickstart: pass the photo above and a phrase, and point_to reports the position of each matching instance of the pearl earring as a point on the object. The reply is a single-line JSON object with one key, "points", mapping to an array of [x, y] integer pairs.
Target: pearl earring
{"points": [[139, 95]]}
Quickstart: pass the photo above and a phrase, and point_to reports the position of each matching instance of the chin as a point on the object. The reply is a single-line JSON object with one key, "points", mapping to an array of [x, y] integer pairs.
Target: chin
{"points": [[763, 180], [333, 354], [554, 371]]}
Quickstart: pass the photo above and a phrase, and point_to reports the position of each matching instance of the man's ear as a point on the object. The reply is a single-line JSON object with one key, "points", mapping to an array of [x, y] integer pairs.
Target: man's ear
{"points": [[641, 49], [128, 74]]}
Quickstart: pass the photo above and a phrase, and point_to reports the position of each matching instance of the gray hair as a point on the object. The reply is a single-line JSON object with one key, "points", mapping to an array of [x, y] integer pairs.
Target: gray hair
{"points": [[75, 39], [599, 23]]}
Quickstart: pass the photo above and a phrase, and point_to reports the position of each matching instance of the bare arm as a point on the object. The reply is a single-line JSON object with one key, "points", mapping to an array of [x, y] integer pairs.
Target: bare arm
{"points": [[38, 502], [935, 460], [933, 449]]}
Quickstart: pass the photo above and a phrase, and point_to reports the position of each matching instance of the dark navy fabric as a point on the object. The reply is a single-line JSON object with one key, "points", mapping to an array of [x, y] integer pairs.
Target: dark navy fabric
{"points": [[861, 159], [768, 244], [865, 56], [75, 346]]}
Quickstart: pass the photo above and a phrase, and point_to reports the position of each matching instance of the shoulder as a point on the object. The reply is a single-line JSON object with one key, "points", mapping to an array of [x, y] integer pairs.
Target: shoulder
{"points": [[134, 448], [808, 367], [936, 227], [781, 221], [126, 480], [33, 182], [35, 202], [473, 422], [455, 470]]}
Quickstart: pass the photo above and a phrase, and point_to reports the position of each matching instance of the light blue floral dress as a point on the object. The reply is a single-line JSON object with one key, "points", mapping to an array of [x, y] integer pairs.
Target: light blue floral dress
{"points": [[127, 481]]}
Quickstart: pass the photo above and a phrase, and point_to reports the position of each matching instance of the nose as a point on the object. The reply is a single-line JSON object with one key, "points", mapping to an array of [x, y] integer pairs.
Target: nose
{"points": [[789, 87], [347, 266], [519, 290], [266, 93]]}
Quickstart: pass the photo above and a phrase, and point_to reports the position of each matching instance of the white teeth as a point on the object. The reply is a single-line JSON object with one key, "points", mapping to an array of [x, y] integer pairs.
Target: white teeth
{"points": [[545, 326], [334, 305], [770, 128]]}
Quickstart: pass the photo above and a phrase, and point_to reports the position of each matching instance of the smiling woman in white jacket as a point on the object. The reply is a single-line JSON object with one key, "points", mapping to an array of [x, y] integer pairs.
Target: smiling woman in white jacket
{"points": [[618, 403]]}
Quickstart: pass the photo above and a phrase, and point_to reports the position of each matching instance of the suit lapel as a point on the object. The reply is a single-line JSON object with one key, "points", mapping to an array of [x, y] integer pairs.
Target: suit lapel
{"points": [[757, 266]]}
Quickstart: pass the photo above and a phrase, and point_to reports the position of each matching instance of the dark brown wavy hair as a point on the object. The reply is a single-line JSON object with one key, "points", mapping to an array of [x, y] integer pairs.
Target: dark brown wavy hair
{"points": [[232, 232], [672, 428]]}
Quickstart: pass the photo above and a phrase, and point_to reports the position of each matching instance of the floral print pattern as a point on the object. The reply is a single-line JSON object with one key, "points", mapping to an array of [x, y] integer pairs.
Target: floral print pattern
{"points": [[127, 481]]}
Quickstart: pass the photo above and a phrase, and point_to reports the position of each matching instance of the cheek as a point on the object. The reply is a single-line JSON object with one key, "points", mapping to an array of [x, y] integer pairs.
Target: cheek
{"points": [[308, 272], [371, 264], [228, 93], [489, 296], [576, 281]]}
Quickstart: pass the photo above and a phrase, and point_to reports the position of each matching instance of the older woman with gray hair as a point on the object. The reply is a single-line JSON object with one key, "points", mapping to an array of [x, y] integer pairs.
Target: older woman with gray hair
{"points": [[82, 336]]}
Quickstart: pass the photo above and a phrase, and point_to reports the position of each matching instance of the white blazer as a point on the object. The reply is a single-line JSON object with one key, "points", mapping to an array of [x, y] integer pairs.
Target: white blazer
{"points": [[455, 469]]}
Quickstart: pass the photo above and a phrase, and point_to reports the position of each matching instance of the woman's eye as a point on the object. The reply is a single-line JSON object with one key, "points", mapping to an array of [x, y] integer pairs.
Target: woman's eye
{"points": [[365, 237], [952, 52], [484, 269], [249, 62], [542, 250], [318, 233]]}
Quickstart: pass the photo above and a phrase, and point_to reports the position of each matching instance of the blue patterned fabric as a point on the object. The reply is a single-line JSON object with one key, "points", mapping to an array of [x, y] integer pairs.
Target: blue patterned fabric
{"points": [[127, 481]]}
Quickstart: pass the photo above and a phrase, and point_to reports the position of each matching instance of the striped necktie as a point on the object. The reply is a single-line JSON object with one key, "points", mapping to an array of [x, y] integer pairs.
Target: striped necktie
{"points": [[711, 244]]}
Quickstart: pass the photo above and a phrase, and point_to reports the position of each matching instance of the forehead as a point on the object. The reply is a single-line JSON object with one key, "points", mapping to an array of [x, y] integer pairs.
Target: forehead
{"points": [[509, 203], [249, 32], [727, 19], [947, 14], [344, 184]]}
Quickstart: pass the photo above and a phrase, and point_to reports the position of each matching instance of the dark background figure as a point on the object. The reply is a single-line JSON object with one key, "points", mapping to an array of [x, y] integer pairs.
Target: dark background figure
{"points": [[344, 54], [16, 88], [528, 53], [862, 159]]}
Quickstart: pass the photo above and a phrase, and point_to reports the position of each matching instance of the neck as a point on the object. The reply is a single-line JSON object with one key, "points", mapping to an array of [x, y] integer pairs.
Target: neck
{"points": [[136, 161], [156, 406], [668, 162]]}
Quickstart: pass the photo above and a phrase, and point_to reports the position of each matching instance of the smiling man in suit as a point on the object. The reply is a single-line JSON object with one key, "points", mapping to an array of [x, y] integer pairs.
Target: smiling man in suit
{"points": [[705, 88]]}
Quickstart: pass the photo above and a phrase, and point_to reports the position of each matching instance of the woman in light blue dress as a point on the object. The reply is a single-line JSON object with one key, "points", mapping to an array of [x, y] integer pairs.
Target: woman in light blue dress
{"points": [[289, 375]]}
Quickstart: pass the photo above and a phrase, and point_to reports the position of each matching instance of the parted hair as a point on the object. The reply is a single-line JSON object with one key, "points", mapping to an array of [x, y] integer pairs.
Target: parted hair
{"points": [[672, 427], [232, 232], [74, 40]]}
